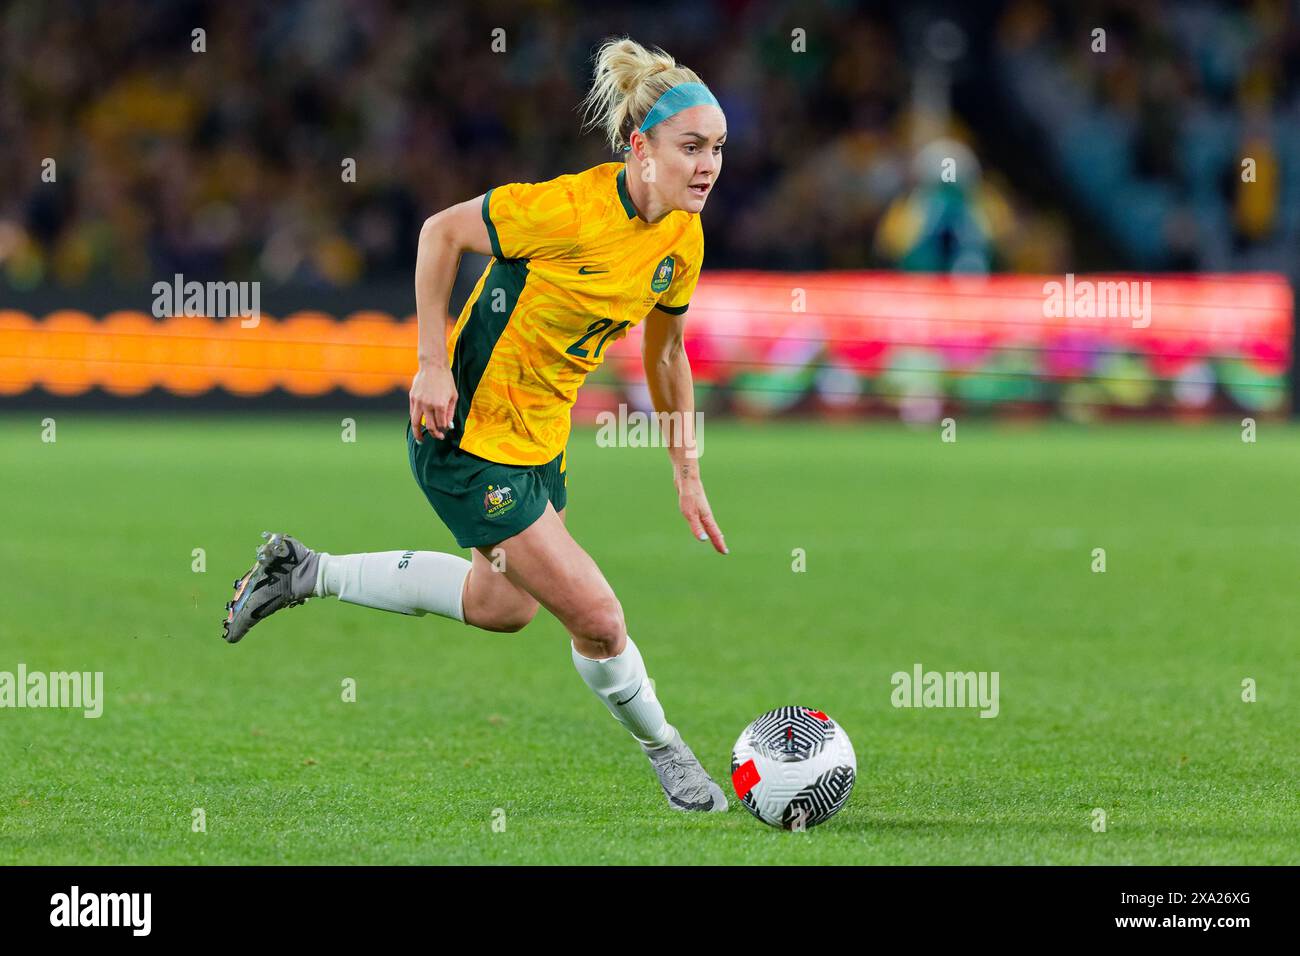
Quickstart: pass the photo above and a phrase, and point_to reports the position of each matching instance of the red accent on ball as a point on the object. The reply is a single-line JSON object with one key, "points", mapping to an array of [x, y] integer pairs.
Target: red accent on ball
{"points": [[818, 714], [744, 777]]}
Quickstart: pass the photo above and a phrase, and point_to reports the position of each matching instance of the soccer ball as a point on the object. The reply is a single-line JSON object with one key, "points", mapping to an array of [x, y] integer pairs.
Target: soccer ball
{"points": [[793, 767]]}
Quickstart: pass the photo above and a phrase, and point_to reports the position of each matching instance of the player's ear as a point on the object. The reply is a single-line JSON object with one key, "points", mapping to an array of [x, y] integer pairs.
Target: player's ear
{"points": [[640, 144]]}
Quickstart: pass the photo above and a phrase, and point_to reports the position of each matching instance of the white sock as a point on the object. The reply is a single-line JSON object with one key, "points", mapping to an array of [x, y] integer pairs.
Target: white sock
{"points": [[622, 684], [409, 582]]}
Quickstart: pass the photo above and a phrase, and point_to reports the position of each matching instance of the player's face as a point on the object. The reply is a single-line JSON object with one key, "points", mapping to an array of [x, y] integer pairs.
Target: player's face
{"points": [[688, 154]]}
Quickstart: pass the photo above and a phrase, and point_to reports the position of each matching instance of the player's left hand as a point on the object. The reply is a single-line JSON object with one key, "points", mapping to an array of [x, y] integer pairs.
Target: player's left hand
{"points": [[695, 508]]}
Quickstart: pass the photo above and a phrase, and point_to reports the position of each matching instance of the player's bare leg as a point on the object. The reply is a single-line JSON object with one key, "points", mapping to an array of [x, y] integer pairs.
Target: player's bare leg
{"points": [[491, 600], [546, 562]]}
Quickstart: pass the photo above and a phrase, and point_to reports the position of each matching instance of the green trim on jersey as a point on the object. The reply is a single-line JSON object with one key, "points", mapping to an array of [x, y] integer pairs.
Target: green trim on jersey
{"points": [[481, 331], [672, 309], [623, 195], [493, 238]]}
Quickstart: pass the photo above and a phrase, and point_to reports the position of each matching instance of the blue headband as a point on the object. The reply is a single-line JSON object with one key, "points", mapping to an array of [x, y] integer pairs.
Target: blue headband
{"points": [[675, 99]]}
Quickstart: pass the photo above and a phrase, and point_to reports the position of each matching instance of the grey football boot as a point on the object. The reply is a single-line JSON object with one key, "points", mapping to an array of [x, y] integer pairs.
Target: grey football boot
{"points": [[687, 784], [284, 576]]}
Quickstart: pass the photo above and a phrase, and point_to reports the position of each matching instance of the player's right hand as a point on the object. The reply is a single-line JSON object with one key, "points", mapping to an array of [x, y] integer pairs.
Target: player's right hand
{"points": [[433, 401]]}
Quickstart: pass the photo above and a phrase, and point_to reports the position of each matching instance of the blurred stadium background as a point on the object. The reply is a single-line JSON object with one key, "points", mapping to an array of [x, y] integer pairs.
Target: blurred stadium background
{"points": [[919, 296]]}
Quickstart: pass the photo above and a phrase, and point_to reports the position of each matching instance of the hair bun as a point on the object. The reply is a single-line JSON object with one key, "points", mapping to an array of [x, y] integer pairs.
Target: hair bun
{"points": [[621, 90]]}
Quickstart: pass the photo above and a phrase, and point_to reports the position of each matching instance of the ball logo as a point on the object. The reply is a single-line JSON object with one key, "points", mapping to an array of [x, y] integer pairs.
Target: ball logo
{"points": [[663, 275], [497, 501]]}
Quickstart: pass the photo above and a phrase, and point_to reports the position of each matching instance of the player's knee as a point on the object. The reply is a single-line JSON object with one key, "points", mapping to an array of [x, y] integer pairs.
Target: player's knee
{"points": [[518, 621], [601, 626], [511, 620], [500, 612]]}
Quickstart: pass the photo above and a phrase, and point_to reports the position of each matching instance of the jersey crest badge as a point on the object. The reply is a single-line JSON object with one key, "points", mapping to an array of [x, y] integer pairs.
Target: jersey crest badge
{"points": [[663, 275]]}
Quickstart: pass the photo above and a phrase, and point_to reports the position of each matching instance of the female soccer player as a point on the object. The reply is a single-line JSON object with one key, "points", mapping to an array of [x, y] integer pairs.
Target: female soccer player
{"points": [[576, 262]]}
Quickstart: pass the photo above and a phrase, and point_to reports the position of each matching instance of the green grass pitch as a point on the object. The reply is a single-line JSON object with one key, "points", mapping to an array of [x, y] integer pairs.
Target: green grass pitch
{"points": [[1119, 690]]}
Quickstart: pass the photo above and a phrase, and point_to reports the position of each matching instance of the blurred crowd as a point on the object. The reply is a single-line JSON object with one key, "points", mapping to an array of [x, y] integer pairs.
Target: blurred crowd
{"points": [[1177, 128], [232, 160]]}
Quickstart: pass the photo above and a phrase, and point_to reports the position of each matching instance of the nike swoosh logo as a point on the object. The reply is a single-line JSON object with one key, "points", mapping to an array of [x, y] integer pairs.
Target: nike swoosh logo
{"points": [[620, 703], [584, 271]]}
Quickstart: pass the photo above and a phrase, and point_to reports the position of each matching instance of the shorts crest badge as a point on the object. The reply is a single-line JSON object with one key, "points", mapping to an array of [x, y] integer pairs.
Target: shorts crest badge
{"points": [[498, 501]]}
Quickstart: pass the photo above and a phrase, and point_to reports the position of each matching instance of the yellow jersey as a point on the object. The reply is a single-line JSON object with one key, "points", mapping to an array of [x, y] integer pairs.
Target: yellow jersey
{"points": [[573, 268]]}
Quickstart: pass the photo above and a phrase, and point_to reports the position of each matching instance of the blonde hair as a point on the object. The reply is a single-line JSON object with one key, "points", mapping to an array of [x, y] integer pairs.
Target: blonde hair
{"points": [[627, 81]]}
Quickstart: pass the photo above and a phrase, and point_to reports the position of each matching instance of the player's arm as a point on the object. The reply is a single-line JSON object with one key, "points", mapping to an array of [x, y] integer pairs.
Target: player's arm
{"points": [[443, 238], [668, 375]]}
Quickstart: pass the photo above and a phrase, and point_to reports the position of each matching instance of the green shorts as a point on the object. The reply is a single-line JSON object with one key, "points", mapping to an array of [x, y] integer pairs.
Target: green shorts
{"points": [[483, 502]]}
